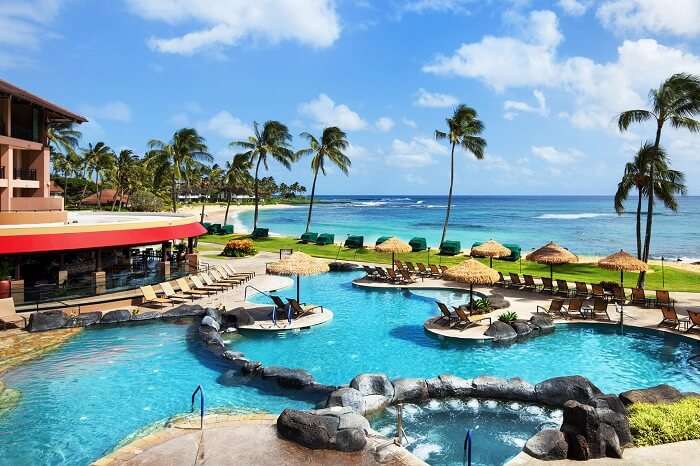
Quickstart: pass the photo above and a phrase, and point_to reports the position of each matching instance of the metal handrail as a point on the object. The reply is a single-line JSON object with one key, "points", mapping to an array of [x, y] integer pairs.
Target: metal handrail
{"points": [[245, 292], [201, 404], [467, 459]]}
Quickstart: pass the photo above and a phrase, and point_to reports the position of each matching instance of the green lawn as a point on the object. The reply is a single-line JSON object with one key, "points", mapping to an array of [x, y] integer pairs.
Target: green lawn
{"points": [[675, 279]]}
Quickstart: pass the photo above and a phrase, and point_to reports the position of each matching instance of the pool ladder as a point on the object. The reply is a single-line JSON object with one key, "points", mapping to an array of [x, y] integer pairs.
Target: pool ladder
{"points": [[199, 390], [467, 459]]}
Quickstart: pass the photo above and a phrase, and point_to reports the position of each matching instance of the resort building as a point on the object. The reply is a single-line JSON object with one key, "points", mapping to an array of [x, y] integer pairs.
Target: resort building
{"points": [[48, 252]]}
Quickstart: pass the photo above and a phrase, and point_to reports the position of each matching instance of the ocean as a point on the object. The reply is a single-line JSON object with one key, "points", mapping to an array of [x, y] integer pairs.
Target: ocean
{"points": [[587, 225]]}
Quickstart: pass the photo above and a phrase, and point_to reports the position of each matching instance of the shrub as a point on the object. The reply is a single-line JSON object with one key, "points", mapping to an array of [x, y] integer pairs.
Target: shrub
{"points": [[481, 306], [654, 424], [508, 317], [143, 201], [239, 248]]}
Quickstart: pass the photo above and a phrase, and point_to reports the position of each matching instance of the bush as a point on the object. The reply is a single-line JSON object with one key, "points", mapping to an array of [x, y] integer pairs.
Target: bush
{"points": [[654, 424], [143, 201], [481, 306], [508, 317], [239, 248]]}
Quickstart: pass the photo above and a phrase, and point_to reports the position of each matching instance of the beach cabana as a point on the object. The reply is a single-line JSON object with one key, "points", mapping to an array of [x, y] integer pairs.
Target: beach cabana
{"points": [[490, 249], [309, 237], [325, 238], [354, 242], [394, 246], [552, 254], [260, 233], [623, 262], [298, 264], [381, 239], [450, 248], [418, 244], [473, 273]]}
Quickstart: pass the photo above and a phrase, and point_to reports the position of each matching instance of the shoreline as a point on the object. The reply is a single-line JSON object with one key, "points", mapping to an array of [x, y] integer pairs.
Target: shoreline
{"points": [[214, 213]]}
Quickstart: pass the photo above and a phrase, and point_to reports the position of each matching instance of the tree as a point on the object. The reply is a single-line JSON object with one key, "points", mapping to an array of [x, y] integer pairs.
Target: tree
{"points": [[123, 175], [236, 179], [211, 183], [677, 101], [329, 149], [273, 141], [463, 129], [63, 140], [177, 158], [96, 159]]}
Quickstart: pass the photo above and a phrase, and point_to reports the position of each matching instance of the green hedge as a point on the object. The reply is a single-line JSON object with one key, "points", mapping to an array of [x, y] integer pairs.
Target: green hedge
{"points": [[654, 424]]}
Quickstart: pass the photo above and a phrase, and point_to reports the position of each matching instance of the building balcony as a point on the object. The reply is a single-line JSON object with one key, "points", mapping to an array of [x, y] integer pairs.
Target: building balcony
{"points": [[24, 174], [36, 204]]}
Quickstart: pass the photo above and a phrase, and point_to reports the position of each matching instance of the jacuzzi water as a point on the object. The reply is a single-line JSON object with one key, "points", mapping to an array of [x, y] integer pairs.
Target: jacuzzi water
{"points": [[81, 400]]}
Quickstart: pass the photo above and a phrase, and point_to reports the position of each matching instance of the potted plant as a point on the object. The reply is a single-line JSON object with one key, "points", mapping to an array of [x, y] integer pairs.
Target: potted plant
{"points": [[5, 284]]}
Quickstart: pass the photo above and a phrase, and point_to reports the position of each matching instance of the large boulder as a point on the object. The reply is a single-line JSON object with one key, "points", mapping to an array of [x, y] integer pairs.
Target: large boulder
{"points": [[118, 315], [543, 323], [46, 320], [611, 402], [498, 301], [497, 388], [240, 317], [83, 320], [350, 440], [547, 445], [411, 390], [449, 386], [185, 310], [658, 394], [522, 328], [373, 384], [501, 332], [343, 267], [215, 314], [288, 378], [618, 421], [307, 429], [145, 315], [347, 397], [587, 435], [556, 391], [211, 337], [209, 321]]}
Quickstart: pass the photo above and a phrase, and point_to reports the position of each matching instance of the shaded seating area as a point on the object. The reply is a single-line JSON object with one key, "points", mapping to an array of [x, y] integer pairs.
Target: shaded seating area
{"points": [[381, 239], [354, 242], [325, 238], [260, 233], [309, 237], [418, 244], [450, 248]]}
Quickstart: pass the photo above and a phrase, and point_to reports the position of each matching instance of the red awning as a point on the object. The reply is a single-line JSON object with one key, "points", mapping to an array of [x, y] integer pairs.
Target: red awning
{"points": [[96, 239]]}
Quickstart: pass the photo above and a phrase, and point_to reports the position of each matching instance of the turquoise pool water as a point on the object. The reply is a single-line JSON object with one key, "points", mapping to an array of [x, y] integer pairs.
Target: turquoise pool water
{"points": [[81, 400]]}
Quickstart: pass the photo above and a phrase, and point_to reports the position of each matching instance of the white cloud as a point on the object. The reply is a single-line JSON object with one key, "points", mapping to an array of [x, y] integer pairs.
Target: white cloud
{"points": [[679, 17], [324, 111], [555, 156], [574, 7], [434, 99], [418, 152], [408, 122], [385, 124], [226, 125], [450, 6], [356, 152], [23, 25], [412, 178], [225, 23], [114, 111], [514, 107]]}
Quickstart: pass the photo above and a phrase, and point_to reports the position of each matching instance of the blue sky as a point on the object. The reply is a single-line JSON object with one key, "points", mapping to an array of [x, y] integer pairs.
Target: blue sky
{"points": [[547, 78]]}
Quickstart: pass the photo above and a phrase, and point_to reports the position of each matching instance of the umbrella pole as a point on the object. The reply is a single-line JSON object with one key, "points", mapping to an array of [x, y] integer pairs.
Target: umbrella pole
{"points": [[551, 271], [490, 261], [471, 297], [298, 281], [622, 304], [392, 261]]}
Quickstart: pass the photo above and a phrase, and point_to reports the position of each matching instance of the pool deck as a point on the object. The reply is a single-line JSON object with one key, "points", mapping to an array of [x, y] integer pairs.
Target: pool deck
{"points": [[243, 440]]}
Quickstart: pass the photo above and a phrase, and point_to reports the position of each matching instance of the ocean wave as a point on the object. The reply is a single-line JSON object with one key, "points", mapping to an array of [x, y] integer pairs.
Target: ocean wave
{"points": [[419, 202], [438, 224], [572, 216], [369, 204]]}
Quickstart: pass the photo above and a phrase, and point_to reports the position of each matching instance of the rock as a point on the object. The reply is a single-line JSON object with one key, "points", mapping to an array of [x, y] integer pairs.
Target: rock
{"points": [[209, 321], [334, 411], [556, 391], [353, 421], [658, 394], [350, 440], [547, 445], [501, 332], [544, 323], [586, 433], [211, 337], [511, 389], [119, 315], [498, 301], [146, 315], [241, 316], [251, 367], [611, 402], [522, 328], [83, 320], [449, 386], [342, 267], [373, 384], [347, 397], [410, 390], [185, 310], [617, 421], [232, 355], [46, 320], [309, 430], [215, 314], [288, 378]]}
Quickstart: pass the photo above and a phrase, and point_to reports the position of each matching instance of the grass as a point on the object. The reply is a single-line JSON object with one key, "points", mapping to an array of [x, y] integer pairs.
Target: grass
{"points": [[654, 424], [674, 279]]}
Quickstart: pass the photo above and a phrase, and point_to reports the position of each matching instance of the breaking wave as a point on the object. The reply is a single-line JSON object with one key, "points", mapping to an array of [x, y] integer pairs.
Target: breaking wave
{"points": [[572, 216]]}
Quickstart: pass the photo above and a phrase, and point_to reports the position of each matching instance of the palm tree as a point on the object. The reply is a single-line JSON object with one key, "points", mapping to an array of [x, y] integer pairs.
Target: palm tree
{"points": [[236, 178], [211, 183], [63, 140], [464, 128], [635, 176], [677, 101], [333, 142], [273, 141], [123, 175], [177, 158], [96, 159]]}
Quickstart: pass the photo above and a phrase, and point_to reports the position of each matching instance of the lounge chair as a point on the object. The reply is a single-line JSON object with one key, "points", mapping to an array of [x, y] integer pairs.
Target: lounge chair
{"points": [[446, 314], [547, 285], [694, 317], [422, 271], [299, 311], [150, 297], [280, 306], [501, 281], [555, 307], [663, 298], [393, 278], [443, 268], [185, 288], [464, 321], [371, 274], [670, 318], [411, 268], [639, 298], [233, 272], [581, 290], [8, 314], [530, 283], [172, 295], [619, 296], [398, 264], [381, 274], [220, 279], [515, 281], [574, 309], [597, 291], [563, 288], [434, 271], [210, 281], [198, 285], [599, 309], [406, 276]]}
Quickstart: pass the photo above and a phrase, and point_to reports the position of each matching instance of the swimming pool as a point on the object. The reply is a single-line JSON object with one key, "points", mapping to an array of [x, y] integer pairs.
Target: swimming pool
{"points": [[79, 401]]}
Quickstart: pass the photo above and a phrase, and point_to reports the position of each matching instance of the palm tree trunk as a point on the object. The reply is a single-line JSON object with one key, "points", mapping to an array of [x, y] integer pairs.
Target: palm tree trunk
{"points": [[80, 202], [97, 187], [311, 201], [256, 195], [228, 205], [650, 208], [449, 195], [639, 225], [114, 198], [174, 192]]}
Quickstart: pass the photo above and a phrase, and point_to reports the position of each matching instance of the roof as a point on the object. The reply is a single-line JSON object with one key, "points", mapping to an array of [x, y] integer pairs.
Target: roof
{"points": [[55, 187], [59, 113], [107, 195]]}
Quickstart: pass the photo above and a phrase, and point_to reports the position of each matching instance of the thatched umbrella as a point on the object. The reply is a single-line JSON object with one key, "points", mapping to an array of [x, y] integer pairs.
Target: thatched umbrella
{"points": [[472, 272], [624, 263], [298, 264], [393, 245], [491, 249], [552, 254]]}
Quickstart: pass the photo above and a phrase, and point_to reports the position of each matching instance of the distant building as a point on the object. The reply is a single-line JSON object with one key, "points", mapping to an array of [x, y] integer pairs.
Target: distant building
{"points": [[107, 197], [55, 190]]}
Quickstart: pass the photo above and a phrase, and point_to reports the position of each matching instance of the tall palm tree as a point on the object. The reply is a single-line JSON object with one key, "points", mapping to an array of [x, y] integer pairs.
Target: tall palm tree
{"points": [[330, 148], [123, 175], [635, 176], [177, 158], [463, 129], [96, 159], [236, 178], [212, 179], [274, 141], [63, 140]]}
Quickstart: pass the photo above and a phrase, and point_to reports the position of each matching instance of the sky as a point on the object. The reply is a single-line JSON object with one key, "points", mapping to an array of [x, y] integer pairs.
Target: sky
{"points": [[547, 79]]}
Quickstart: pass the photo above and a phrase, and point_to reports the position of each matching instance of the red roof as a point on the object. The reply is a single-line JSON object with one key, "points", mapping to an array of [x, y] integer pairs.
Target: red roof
{"points": [[106, 197]]}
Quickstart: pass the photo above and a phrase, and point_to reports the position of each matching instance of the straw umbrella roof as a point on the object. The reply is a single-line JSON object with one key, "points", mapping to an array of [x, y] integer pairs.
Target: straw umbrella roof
{"points": [[552, 254], [472, 272], [298, 263], [491, 248], [394, 244], [623, 262]]}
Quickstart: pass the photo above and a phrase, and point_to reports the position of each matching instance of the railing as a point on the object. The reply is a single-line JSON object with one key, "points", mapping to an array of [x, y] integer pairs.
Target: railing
{"points": [[24, 174], [400, 432], [245, 292], [2, 171], [199, 390], [467, 459]]}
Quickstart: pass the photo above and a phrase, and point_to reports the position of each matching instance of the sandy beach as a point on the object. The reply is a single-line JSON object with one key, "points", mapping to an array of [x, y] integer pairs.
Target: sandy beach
{"points": [[214, 213]]}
